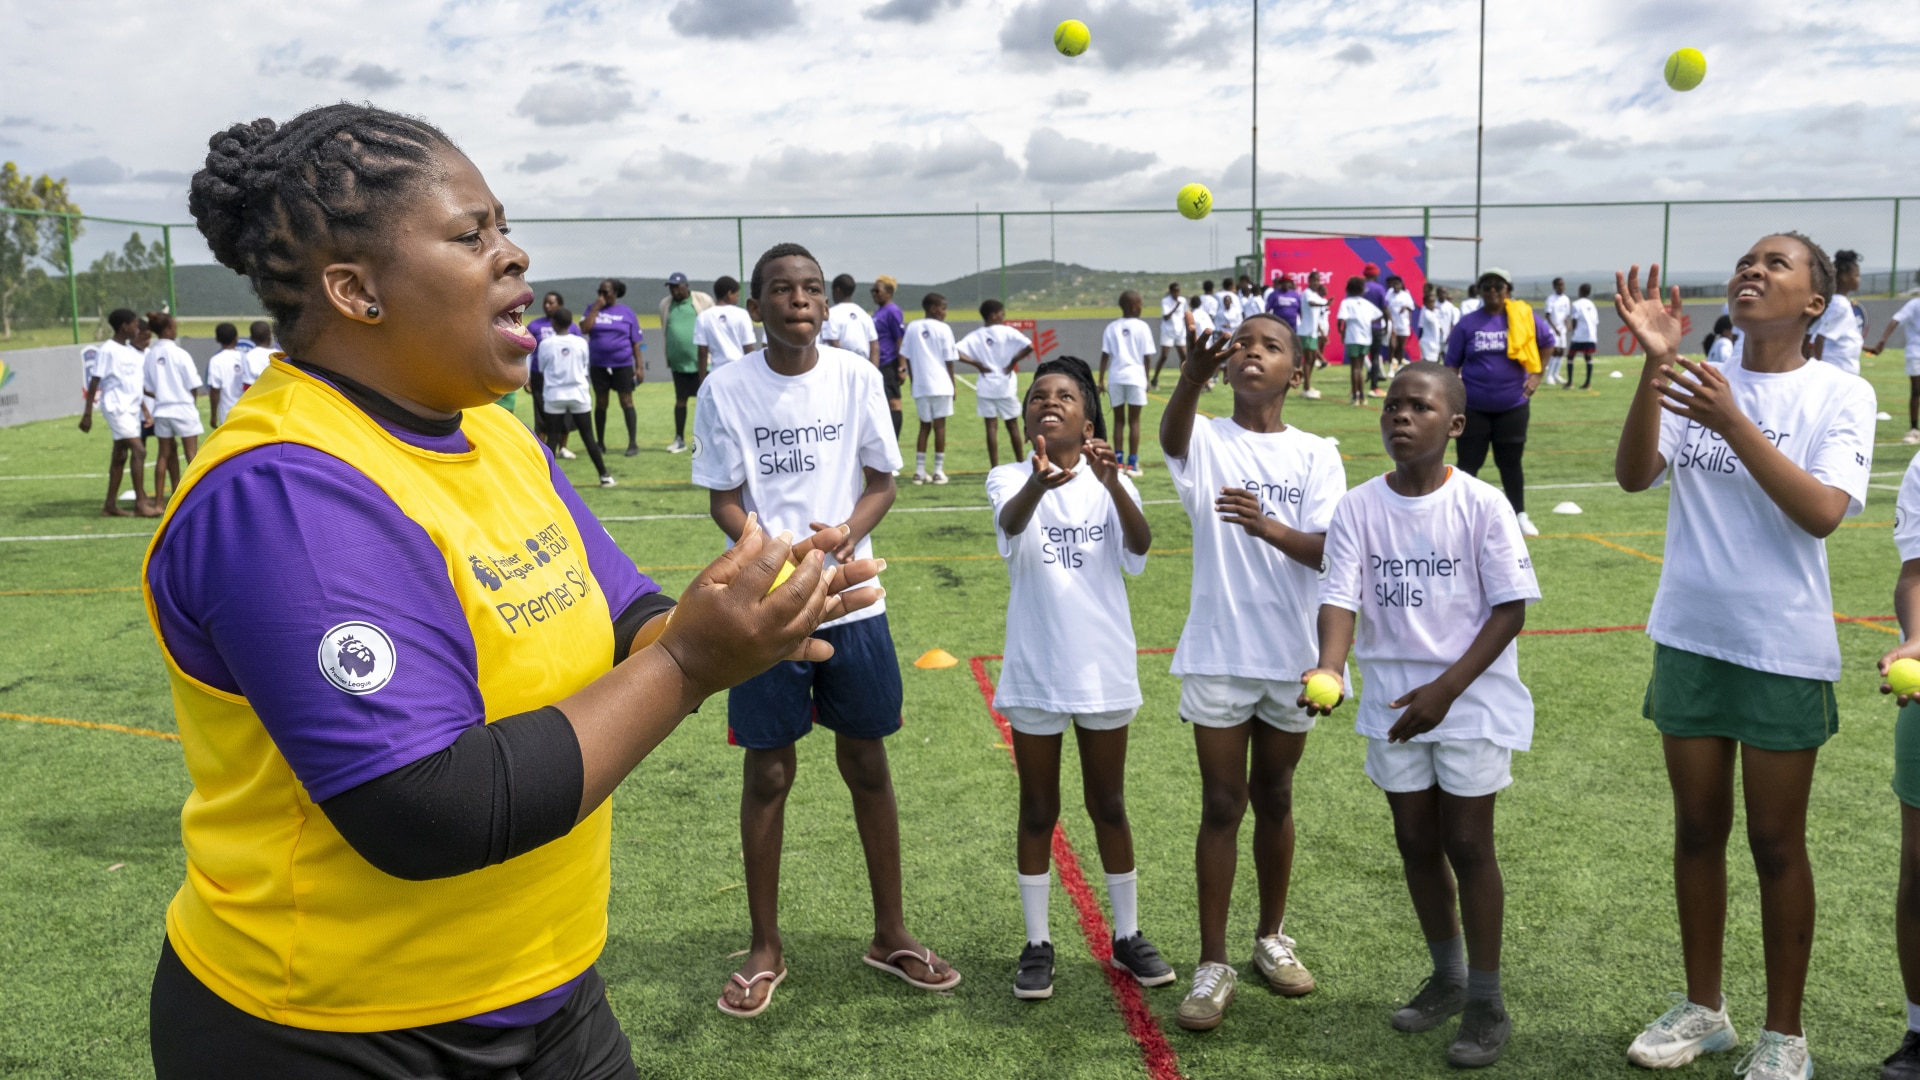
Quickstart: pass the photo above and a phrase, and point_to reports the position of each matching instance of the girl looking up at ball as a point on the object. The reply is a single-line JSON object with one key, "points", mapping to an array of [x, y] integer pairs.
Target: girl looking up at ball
{"points": [[1069, 524], [1430, 563], [1766, 455], [1260, 495]]}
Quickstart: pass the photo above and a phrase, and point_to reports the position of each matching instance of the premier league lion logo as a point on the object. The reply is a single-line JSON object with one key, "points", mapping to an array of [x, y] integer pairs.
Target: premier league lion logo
{"points": [[484, 573], [354, 657]]}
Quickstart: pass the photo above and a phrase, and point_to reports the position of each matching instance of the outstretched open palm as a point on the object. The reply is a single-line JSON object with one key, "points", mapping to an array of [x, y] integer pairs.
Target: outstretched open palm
{"points": [[1658, 326]]}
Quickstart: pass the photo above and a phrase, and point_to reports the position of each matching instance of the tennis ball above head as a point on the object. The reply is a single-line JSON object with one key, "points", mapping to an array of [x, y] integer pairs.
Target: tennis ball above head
{"points": [[1324, 690], [1904, 677], [1195, 202], [1686, 68], [1072, 37]]}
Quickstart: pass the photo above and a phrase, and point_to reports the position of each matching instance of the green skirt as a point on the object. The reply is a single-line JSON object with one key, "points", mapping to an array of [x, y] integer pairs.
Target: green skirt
{"points": [[1692, 696], [1906, 755]]}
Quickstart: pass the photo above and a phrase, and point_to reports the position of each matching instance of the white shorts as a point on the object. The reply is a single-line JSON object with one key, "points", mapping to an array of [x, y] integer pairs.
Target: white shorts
{"points": [[1224, 701], [563, 408], [995, 408], [930, 409], [1046, 722], [1120, 394], [169, 428], [124, 425], [1175, 334], [1463, 767], [1913, 362]]}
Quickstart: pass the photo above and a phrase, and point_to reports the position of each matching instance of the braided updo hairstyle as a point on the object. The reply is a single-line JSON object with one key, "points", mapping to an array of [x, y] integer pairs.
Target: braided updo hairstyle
{"points": [[1076, 369], [328, 179]]}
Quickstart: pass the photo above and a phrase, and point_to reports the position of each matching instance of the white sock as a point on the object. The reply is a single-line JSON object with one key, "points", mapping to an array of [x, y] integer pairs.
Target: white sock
{"points": [[1123, 894], [939, 462], [1034, 890], [1913, 1016], [920, 462]]}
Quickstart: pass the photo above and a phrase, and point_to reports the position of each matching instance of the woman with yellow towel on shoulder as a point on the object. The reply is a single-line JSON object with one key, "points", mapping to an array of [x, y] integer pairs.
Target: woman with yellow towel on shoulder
{"points": [[1497, 351]]}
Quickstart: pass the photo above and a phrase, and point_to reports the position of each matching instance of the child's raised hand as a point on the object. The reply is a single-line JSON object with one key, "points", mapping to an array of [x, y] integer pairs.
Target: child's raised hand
{"points": [[1658, 326], [836, 540], [1102, 460], [1238, 506], [1700, 393], [1907, 651], [1314, 708], [1210, 349], [1045, 472], [1425, 707]]}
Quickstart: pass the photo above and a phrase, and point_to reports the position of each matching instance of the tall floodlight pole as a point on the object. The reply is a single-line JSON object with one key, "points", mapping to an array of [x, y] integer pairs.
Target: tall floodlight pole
{"points": [[1480, 140], [1253, 182]]}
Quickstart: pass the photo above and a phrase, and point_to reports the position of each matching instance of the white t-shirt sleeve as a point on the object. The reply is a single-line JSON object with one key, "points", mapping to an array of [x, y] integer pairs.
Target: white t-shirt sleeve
{"points": [[1004, 483], [878, 448], [1134, 565], [718, 462], [1328, 487], [1906, 514], [1344, 581], [1506, 570], [701, 331], [1843, 457]]}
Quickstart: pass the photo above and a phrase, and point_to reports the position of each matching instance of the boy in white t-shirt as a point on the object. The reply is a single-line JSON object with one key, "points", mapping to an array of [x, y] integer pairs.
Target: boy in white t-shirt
{"points": [[567, 391], [116, 385], [1585, 334], [930, 353], [848, 325], [996, 349], [1124, 347], [1776, 451], [799, 434], [1070, 527], [1559, 310], [1431, 564], [1908, 317], [1400, 308], [1313, 333], [1356, 318], [724, 332], [1260, 495], [171, 383], [262, 353], [1173, 331], [223, 373]]}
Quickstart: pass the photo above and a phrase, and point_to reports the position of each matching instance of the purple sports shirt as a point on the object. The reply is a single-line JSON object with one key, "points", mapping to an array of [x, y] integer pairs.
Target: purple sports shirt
{"points": [[611, 339], [1286, 305], [1377, 293], [1478, 350], [893, 327], [329, 546]]}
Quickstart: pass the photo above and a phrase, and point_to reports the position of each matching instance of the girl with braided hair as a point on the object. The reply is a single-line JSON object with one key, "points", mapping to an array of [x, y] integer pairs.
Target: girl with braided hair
{"points": [[398, 857], [1069, 524]]}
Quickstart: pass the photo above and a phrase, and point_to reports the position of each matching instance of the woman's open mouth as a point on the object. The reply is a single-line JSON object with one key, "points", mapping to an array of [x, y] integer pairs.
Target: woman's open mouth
{"points": [[507, 324]]}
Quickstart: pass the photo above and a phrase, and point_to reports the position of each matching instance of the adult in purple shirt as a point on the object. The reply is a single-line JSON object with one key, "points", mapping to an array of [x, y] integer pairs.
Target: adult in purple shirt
{"points": [[1499, 390], [423, 328], [892, 325], [1284, 303], [1376, 294], [614, 345]]}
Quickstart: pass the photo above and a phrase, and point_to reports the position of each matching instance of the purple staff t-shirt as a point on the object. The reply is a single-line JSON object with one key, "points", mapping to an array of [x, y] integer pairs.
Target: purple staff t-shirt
{"points": [[1376, 293], [1285, 305], [1477, 348], [892, 326], [278, 544], [611, 338]]}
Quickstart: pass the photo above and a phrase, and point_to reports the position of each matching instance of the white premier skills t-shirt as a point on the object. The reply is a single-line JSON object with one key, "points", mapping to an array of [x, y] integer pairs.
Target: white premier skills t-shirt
{"points": [[1559, 307], [995, 346], [1906, 511], [1741, 582], [727, 332], [1357, 315], [1127, 343], [1842, 331], [1070, 645], [1586, 321], [1424, 575], [122, 382], [850, 327], [563, 364], [929, 348], [171, 377], [224, 373], [797, 443], [1400, 306], [1253, 609]]}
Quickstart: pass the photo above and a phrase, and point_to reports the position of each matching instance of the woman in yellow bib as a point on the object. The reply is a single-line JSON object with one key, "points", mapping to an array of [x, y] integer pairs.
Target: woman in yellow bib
{"points": [[409, 667]]}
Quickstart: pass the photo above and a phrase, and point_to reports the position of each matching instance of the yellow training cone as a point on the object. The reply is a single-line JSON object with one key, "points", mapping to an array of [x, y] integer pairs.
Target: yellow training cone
{"points": [[936, 658]]}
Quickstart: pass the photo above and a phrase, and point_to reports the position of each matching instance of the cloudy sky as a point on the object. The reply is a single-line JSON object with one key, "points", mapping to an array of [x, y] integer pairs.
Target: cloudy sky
{"points": [[686, 107]]}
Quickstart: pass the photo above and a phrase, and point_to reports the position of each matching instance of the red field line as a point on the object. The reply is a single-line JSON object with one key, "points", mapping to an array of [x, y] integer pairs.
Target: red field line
{"points": [[1155, 1053]]}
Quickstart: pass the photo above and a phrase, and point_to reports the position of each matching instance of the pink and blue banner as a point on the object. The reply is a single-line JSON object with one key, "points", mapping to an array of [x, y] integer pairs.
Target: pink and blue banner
{"points": [[1339, 258]]}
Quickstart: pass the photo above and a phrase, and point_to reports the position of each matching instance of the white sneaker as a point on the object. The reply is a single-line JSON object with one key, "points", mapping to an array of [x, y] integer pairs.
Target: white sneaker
{"points": [[677, 446], [607, 481], [1911, 437], [940, 476], [1683, 1033], [566, 454], [1527, 528], [1310, 395], [920, 477], [1777, 1057]]}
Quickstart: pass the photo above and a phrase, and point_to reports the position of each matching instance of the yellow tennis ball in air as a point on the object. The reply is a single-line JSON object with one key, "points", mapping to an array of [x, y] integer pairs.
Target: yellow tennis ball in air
{"points": [[1195, 202], [1072, 37], [1686, 68], [1904, 677], [779, 579], [1324, 690]]}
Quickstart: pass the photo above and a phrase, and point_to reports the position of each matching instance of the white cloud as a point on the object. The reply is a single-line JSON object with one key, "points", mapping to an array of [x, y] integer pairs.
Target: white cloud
{"points": [[93, 170], [541, 161], [1126, 35], [668, 165], [1053, 158], [1357, 54], [910, 11], [374, 77], [740, 19], [1070, 99], [572, 101]]}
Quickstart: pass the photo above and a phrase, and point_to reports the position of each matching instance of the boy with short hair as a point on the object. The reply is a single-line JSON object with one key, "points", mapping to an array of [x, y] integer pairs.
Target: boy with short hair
{"points": [[849, 326], [1400, 305], [996, 349], [223, 373], [929, 349], [1586, 334], [261, 354], [724, 332], [1559, 310], [1431, 564], [1125, 346], [798, 434], [891, 326], [1173, 331], [1357, 315], [171, 385], [118, 385]]}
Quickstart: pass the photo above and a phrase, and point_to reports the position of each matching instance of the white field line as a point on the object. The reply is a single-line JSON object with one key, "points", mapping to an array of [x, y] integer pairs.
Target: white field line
{"points": [[75, 536]]}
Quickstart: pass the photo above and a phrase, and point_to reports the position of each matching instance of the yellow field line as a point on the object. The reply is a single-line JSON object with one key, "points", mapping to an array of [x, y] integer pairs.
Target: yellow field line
{"points": [[63, 722], [1619, 547], [1863, 622]]}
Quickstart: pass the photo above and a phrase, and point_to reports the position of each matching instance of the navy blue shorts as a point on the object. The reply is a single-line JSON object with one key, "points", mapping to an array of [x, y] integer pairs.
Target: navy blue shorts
{"points": [[856, 694]]}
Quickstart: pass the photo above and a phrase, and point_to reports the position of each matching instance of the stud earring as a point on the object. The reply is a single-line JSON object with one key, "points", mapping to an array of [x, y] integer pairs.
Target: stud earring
{"points": [[373, 311]]}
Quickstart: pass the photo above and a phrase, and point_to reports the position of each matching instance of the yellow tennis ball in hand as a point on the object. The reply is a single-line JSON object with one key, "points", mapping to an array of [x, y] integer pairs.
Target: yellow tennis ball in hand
{"points": [[1195, 202], [1072, 37], [779, 579], [1324, 690], [1904, 677], [1686, 68]]}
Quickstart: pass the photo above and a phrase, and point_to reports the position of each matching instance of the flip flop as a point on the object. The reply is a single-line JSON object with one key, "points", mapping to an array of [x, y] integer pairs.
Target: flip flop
{"points": [[748, 985], [899, 972]]}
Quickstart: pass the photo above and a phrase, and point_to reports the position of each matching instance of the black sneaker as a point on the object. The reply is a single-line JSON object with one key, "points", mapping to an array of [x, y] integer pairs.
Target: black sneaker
{"points": [[1033, 976], [1905, 1062], [1484, 1028], [1432, 1003], [1137, 957], [633, 450]]}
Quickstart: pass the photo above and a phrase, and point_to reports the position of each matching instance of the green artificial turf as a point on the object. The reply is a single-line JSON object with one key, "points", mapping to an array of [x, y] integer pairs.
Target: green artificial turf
{"points": [[89, 851]]}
